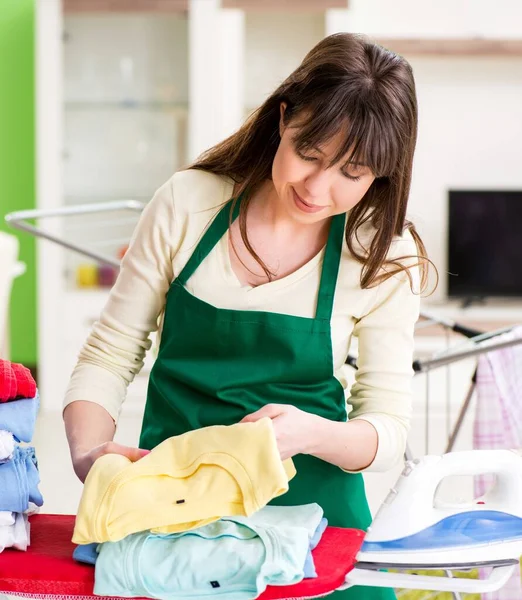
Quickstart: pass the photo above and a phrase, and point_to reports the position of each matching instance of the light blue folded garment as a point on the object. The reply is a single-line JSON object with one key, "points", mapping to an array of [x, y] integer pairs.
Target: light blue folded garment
{"points": [[19, 479], [19, 417], [309, 566], [88, 553], [235, 557]]}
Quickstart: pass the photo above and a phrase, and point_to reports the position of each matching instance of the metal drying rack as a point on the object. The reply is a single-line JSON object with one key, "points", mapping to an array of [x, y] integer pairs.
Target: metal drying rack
{"points": [[20, 220]]}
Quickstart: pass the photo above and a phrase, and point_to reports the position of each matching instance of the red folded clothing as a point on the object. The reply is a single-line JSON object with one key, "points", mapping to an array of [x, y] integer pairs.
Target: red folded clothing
{"points": [[16, 381], [25, 384], [7, 381], [47, 569]]}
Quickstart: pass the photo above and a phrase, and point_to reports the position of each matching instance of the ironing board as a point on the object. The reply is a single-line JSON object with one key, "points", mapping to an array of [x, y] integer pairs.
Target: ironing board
{"points": [[47, 570]]}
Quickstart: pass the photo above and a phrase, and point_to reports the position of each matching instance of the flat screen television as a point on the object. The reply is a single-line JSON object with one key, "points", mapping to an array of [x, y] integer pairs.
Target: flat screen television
{"points": [[485, 244]]}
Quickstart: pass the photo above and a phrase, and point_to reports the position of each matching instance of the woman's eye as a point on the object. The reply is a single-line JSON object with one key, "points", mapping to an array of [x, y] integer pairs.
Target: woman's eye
{"points": [[351, 177], [307, 158]]}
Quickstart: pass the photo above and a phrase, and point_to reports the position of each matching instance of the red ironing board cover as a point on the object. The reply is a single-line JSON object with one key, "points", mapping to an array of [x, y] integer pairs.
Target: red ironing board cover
{"points": [[47, 569]]}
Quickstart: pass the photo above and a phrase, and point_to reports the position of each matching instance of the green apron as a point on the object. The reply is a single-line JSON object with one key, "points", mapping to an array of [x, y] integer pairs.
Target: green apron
{"points": [[215, 366]]}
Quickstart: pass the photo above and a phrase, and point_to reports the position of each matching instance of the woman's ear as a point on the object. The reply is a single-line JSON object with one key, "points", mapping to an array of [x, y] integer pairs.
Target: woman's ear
{"points": [[282, 126]]}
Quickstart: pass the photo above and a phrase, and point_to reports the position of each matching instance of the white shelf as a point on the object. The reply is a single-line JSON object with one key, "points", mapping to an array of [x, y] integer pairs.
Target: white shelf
{"points": [[136, 105]]}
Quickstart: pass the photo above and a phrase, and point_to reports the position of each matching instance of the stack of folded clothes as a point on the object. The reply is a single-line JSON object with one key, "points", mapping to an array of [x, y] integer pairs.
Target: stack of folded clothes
{"points": [[19, 477], [191, 518]]}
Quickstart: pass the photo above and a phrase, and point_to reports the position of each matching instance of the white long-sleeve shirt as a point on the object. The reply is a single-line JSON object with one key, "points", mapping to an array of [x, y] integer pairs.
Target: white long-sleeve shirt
{"points": [[382, 318]]}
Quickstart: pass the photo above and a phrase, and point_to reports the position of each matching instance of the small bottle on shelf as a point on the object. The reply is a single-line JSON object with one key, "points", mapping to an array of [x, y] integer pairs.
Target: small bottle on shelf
{"points": [[87, 275]]}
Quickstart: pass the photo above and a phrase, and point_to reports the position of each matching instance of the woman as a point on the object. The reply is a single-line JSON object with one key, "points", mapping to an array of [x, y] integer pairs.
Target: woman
{"points": [[259, 297]]}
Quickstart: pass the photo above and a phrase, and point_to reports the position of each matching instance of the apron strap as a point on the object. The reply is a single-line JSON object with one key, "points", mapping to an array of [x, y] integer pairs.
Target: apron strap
{"points": [[331, 262], [211, 237]]}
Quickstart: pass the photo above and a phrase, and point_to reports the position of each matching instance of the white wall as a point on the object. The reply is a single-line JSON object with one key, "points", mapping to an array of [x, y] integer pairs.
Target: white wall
{"points": [[49, 188], [440, 18], [470, 128], [215, 74], [273, 49]]}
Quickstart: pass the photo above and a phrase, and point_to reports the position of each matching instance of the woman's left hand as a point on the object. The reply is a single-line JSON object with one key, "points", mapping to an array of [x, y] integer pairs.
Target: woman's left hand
{"points": [[294, 429]]}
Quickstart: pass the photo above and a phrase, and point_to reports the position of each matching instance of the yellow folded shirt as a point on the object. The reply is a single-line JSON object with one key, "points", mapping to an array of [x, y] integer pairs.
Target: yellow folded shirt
{"points": [[185, 482]]}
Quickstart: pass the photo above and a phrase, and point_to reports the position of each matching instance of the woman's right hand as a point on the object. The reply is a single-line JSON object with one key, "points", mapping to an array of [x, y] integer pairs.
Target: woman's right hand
{"points": [[82, 463]]}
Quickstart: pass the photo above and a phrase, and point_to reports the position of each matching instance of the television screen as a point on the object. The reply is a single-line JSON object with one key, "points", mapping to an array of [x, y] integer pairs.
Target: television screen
{"points": [[485, 244]]}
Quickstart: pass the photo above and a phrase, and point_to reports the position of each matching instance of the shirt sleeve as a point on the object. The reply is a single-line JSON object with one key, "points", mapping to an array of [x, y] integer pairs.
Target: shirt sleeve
{"points": [[114, 351], [382, 392]]}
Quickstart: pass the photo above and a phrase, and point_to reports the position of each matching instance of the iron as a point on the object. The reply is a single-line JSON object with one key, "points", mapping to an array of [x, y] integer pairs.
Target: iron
{"points": [[412, 529]]}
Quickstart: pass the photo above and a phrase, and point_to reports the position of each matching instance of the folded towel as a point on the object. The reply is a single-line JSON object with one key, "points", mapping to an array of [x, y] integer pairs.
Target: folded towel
{"points": [[19, 479], [19, 417], [6, 518], [16, 381], [7, 445], [15, 535]]}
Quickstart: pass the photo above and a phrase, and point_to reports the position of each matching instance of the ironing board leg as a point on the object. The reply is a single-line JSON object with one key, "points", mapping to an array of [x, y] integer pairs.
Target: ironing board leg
{"points": [[456, 595]]}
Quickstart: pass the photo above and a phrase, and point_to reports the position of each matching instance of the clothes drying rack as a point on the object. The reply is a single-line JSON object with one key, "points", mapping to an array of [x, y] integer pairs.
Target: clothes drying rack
{"points": [[479, 343]]}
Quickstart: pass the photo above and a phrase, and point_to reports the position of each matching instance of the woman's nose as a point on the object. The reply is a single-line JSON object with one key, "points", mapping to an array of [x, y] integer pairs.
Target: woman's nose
{"points": [[318, 183]]}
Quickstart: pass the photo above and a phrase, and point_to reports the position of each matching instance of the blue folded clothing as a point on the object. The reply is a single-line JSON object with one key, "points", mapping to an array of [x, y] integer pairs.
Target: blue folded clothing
{"points": [[19, 417], [86, 553], [19, 479]]}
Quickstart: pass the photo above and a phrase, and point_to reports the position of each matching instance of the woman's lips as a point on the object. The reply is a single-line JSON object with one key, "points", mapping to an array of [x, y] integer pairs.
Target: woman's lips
{"points": [[305, 206]]}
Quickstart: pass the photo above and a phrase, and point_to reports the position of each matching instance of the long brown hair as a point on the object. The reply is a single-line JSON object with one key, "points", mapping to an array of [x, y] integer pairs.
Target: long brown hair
{"points": [[350, 85]]}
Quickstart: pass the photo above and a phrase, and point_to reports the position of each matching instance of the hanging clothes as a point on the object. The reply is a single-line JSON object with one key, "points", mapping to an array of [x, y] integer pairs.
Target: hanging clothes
{"points": [[498, 422]]}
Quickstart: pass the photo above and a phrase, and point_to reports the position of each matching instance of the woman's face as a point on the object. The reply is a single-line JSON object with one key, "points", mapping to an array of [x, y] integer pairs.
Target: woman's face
{"points": [[310, 190]]}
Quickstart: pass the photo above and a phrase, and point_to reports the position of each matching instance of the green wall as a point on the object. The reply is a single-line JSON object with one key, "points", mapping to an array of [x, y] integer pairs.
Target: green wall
{"points": [[17, 160]]}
